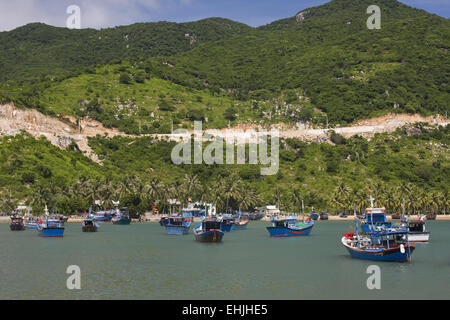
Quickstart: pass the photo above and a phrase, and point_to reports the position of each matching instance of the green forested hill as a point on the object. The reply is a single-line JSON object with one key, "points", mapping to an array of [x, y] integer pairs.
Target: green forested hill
{"points": [[328, 60], [138, 171], [323, 65], [348, 71], [37, 49]]}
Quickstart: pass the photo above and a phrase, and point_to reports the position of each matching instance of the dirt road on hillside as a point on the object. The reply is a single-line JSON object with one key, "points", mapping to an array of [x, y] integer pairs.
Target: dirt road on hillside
{"points": [[61, 134]]}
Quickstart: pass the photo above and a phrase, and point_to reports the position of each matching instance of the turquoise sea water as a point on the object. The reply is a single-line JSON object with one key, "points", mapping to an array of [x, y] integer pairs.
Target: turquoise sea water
{"points": [[141, 261]]}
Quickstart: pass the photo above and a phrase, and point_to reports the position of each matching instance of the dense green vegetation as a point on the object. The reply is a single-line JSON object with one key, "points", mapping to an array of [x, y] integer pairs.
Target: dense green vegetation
{"points": [[329, 63], [140, 171], [148, 78], [38, 50]]}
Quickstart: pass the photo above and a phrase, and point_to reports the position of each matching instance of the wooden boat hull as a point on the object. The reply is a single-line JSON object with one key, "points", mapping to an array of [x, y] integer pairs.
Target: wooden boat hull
{"points": [[209, 236], [393, 254], [323, 217], [51, 232], [288, 232], [32, 226]]}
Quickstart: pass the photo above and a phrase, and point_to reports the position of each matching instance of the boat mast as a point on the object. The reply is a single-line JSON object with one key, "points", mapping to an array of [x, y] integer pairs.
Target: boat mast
{"points": [[303, 212]]}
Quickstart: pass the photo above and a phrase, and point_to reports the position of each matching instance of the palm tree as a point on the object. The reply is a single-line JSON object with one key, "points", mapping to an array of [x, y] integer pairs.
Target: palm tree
{"points": [[247, 198], [9, 202], [215, 195], [231, 189], [278, 197], [193, 185], [343, 192], [297, 198], [152, 190]]}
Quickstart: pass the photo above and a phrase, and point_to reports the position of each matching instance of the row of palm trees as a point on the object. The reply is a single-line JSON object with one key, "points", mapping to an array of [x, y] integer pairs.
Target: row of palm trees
{"points": [[226, 193], [405, 197]]}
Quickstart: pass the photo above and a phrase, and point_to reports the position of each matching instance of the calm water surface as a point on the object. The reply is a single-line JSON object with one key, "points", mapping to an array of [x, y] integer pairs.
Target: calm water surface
{"points": [[141, 261]]}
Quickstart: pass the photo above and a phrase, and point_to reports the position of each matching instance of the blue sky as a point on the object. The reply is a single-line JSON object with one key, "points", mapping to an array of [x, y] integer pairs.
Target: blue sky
{"points": [[107, 13]]}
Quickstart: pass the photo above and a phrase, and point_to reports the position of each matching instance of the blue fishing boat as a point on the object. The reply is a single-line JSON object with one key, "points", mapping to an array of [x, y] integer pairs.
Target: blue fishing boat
{"points": [[163, 221], [314, 216], [178, 225], [197, 214], [208, 231], [285, 228], [324, 215], [31, 223], [51, 226], [383, 245], [122, 216], [227, 223], [388, 245]]}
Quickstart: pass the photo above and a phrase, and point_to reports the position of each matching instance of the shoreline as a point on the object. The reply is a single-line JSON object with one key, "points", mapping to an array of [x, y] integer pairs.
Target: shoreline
{"points": [[155, 219]]}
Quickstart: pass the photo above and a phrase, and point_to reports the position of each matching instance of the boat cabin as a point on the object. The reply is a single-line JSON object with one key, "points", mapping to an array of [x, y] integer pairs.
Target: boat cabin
{"points": [[376, 215], [282, 223], [176, 221], [211, 225], [416, 226]]}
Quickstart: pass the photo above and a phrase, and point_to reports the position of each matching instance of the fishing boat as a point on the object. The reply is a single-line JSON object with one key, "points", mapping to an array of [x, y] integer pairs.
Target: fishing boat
{"points": [[31, 223], [382, 245], [386, 245], [284, 228], [208, 231], [227, 223], [374, 219], [417, 231], [122, 216], [289, 227], [178, 225], [431, 216], [89, 224], [343, 215], [163, 221], [196, 213], [314, 215], [51, 226], [16, 223], [256, 216], [240, 222], [103, 216], [324, 215]]}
